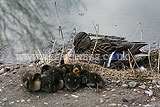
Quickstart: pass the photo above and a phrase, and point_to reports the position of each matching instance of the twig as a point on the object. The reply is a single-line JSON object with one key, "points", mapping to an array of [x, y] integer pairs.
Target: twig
{"points": [[129, 58], [149, 52], [97, 31], [52, 50], [60, 30], [42, 58], [133, 59]]}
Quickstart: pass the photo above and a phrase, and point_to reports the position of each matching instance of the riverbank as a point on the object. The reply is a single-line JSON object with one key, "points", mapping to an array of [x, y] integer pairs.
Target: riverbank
{"points": [[123, 88]]}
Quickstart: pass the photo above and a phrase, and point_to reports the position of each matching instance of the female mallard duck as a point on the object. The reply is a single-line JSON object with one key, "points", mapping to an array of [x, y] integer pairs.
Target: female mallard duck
{"points": [[72, 81], [108, 48], [51, 79], [32, 82], [105, 45]]}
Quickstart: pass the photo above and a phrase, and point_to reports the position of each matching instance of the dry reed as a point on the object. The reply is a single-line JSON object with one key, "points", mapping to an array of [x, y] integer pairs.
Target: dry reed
{"points": [[149, 52], [60, 30], [97, 31]]}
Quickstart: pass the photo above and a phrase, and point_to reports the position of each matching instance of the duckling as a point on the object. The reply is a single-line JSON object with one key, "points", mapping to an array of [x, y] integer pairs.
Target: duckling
{"points": [[32, 82], [49, 68], [81, 41], [72, 81], [45, 68], [51, 82], [67, 68], [51, 79], [82, 74], [93, 80]]}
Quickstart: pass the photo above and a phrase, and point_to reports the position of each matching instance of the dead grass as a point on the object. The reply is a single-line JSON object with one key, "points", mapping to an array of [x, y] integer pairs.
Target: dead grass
{"points": [[123, 75]]}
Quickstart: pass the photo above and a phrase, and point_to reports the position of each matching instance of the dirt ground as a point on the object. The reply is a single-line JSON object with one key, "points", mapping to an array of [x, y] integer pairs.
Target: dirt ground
{"points": [[115, 93]]}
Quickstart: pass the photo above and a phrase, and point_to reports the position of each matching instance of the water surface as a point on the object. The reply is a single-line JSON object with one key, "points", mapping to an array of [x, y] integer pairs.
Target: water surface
{"points": [[27, 25]]}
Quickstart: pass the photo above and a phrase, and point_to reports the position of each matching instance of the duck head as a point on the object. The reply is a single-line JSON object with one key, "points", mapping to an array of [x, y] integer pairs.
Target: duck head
{"points": [[33, 82], [81, 41], [72, 81], [45, 68], [94, 80]]}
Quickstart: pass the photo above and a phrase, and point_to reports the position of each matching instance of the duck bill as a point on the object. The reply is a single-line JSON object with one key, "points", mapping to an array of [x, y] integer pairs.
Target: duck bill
{"points": [[75, 49]]}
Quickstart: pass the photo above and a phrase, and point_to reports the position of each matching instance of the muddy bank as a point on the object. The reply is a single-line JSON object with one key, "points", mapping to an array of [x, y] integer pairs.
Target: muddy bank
{"points": [[115, 93]]}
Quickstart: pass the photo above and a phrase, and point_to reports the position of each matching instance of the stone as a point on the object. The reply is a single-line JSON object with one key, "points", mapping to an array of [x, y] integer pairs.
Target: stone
{"points": [[112, 105], [7, 69], [158, 82], [150, 87], [114, 95], [118, 81], [75, 96], [124, 100], [142, 86], [154, 82], [103, 95], [108, 89], [158, 86], [153, 99], [113, 90], [45, 103], [28, 100], [124, 106], [22, 100], [140, 105], [65, 95], [14, 72], [5, 74], [124, 85], [150, 92], [101, 100], [5, 99], [11, 103], [133, 104], [119, 105], [147, 105], [2, 71], [31, 65], [132, 84], [113, 81]]}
